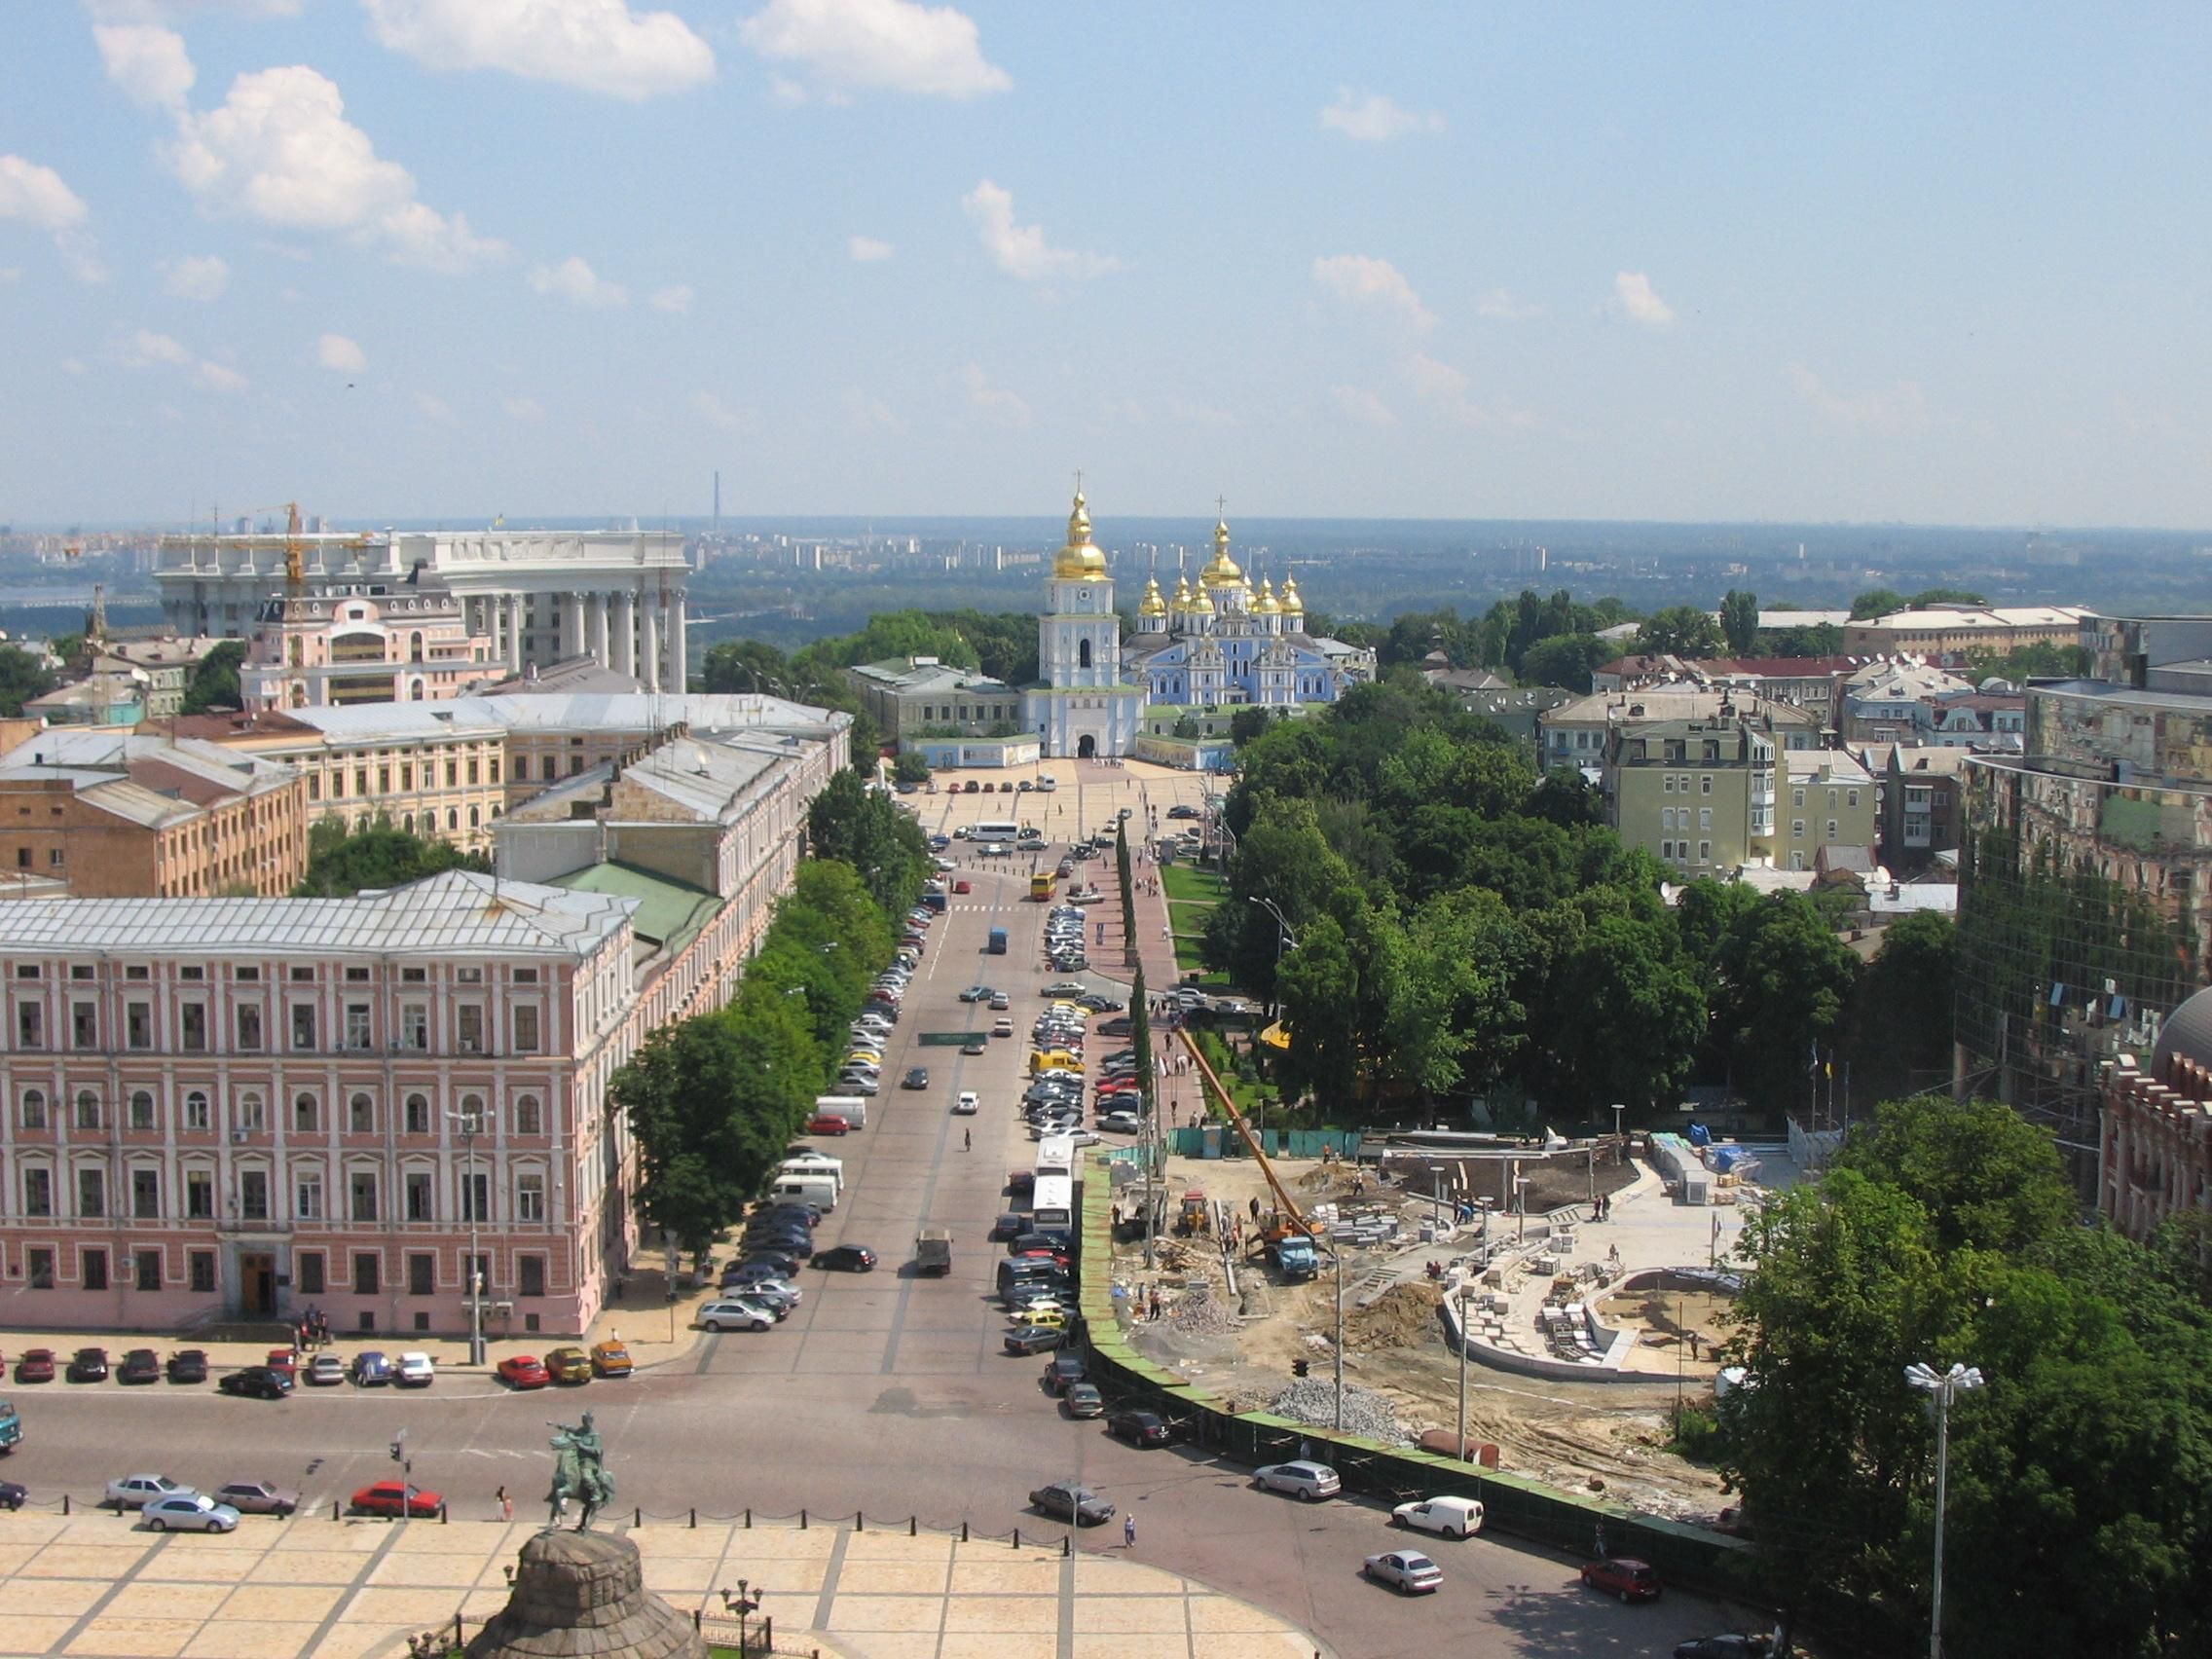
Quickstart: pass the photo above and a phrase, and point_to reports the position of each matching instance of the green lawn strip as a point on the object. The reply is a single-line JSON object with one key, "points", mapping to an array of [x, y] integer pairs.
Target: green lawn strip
{"points": [[1188, 884]]}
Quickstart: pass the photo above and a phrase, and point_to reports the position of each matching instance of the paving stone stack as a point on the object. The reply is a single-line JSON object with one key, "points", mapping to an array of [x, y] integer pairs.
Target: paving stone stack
{"points": [[583, 1595]]}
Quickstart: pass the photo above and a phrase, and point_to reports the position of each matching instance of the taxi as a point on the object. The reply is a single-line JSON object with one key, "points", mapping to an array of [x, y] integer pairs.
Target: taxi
{"points": [[569, 1365], [610, 1358]]}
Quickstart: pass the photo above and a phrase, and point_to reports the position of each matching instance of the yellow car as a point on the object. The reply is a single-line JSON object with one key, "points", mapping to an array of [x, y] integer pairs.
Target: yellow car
{"points": [[1054, 1060], [569, 1365], [1051, 1319], [874, 1056], [610, 1358]]}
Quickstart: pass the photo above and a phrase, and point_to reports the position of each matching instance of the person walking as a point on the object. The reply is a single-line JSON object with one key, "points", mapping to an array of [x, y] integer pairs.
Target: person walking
{"points": [[967, 1140], [506, 1506], [1128, 1532]]}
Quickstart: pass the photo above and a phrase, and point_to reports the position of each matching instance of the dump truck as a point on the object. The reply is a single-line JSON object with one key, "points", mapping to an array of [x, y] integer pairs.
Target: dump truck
{"points": [[1293, 1257], [933, 1250]]}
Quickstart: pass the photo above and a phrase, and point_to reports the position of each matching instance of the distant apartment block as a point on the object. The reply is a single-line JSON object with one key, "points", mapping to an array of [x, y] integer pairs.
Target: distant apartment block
{"points": [[1949, 632], [1580, 733], [1923, 804]]}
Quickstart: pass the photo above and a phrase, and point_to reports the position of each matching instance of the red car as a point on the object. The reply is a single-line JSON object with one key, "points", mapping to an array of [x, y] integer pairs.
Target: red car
{"points": [[285, 1361], [396, 1498], [962, 886], [1625, 1577], [523, 1371], [36, 1366], [828, 1123]]}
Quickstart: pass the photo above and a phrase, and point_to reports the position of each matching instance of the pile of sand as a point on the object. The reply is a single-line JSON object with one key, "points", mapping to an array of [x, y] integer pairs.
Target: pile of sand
{"points": [[1402, 1316]]}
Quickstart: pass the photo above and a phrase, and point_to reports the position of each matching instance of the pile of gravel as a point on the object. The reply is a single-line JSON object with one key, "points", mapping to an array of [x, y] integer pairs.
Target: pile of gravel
{"points": [[1314, 1400], [1200, 1313]]}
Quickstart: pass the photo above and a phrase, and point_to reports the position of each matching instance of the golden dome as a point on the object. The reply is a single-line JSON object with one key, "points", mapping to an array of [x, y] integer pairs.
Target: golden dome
{"points": [[1222, 570], [1264, 604], [1292, 605], [1079, 558], [1151, 605]]}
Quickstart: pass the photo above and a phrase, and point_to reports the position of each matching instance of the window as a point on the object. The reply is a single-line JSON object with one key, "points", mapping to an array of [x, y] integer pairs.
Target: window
{"points": [[149, 1270], [526, 975], [34, 1109], [1851, 796], [138, 1025], [141, 1109], [1704, 852], [421, 1273], [92, 1193], [254, 1195], [415, 1026], [200, 1195], [1667, 783], [306, 1270], [528, 1118], [191, 971], [303, 1025], [1831, 829], [307, 1195], [526, 1030], [38, 1192], [195, 1027], [363, 1186], [1705, 818], [27, 971], [251, 1119], [249, 1029], [418, 1115], [531, 1270], [529, 1197], [365, 1272], [145, 1195], [414, 975], [196, 1111], [469, 976], [92, 1265], [79, 971], [419, 1198], [246, 975], [356, 1025], [1705, 784], [302, 975], [200, 1267], [1796, 798], [1797, 828], [307, 1115], [30, 1026], [88, 1109], [40, 1265]]}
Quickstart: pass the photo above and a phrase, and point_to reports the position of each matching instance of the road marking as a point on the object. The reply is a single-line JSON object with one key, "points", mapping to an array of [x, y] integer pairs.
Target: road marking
{"points": [[828, 1596], [63, 1641], [314, 1643]]}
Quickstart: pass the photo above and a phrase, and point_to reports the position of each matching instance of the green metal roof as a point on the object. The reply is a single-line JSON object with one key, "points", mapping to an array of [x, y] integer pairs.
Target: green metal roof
{"points": [[670, 913]]}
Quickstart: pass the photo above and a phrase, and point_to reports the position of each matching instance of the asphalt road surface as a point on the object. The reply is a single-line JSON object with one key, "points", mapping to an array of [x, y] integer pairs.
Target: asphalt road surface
{"points": [[883, 1393]]}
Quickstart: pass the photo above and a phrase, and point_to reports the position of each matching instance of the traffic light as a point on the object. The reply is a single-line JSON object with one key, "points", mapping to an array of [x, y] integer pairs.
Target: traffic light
{"points": [[398, 1450], [1298, 1368]]}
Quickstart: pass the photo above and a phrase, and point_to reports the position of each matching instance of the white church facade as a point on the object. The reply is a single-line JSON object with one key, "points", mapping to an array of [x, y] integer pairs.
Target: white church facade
{"points": [[1080, 708]]}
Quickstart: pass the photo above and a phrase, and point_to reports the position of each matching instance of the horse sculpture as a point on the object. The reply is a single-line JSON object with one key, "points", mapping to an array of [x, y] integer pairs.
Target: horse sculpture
{"points": [[580, 1473]]}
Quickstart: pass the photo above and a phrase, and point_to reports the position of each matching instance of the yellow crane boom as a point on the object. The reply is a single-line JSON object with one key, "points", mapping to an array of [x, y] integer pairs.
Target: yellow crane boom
{"points": [[1284, 1202]]}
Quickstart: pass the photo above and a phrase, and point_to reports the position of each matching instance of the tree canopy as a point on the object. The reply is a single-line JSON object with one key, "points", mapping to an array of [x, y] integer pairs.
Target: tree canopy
{"points": [[21, 680], [213, 682], [343, 861]]}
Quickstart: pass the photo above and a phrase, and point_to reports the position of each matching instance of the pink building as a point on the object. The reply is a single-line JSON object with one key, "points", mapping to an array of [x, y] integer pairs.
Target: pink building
{"points": [[410, 644]]}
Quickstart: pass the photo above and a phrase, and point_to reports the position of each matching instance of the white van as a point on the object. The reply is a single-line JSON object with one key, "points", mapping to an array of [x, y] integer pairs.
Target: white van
{"points": [[850, 1107], [815, 1164], [820, 1191]]}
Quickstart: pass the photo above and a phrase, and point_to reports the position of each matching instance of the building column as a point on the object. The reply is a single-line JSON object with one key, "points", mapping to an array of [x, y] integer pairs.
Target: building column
{"points": [[678, 676], [597, 622], [512, 607], [625, 636], [648, 639], [571, 626]]}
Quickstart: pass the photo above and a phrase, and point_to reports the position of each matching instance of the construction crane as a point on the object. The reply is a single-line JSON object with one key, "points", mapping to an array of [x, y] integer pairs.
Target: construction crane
{"points": [[1288, 1219]]}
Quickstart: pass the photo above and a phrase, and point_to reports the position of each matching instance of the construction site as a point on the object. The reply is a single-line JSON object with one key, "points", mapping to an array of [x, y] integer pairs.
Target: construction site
{"points": [[1584, 1337]]}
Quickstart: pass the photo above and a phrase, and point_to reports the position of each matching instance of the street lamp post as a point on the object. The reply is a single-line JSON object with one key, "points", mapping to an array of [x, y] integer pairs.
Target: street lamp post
{"points": [[1338, 1253], [1460, 1446], [1521, 1200], [473, 1278], [1436, 1199], [1943, 1386]]}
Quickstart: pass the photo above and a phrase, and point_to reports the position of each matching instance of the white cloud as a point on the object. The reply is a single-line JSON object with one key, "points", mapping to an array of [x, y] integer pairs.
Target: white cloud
{"points": [[436, 408], [716, 413], [279, 150], [864, 411], [1003, 406], [37, 196], [1356, 403], [601, 46], [1375, 118], [578, 284], [1632, 288], [337, 353], [675, 299], [1444, 389], [1361, 281], [142, 347], [148, 62], [1020, 251], [1503, 305], [523, 408], [74, 366], [892, 44], [867, 249], [216, 378], [198, 277], [1899, 411]]}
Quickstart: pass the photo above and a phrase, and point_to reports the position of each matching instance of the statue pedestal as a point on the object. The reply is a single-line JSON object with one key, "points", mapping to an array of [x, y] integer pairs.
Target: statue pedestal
{"points": [[582, 1595]]}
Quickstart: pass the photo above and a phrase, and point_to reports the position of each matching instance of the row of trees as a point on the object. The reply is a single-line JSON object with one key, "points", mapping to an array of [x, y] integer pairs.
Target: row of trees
{"points": [[714, 1100], [1457, 924], [2080, 1478]]}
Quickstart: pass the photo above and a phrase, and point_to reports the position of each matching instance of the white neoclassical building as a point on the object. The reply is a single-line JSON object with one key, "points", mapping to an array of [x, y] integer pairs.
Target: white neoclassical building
{"points": [[1082, 707], [536, 597]]}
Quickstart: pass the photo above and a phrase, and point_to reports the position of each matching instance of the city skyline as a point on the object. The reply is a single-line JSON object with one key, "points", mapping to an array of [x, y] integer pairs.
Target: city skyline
{"points": [[415, 258]]}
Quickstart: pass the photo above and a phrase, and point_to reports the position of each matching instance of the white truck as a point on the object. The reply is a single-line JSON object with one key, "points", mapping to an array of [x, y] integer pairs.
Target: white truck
{"points": [[850, 1107]]}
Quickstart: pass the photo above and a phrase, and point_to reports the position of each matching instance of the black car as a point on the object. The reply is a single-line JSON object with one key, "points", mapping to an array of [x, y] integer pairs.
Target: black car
{"points": [[256, 1383], [1118, 1026], [88, 1365], [1182, 812], [1065, 1368], [140, 1365], [917, 1077], [12, 1495], [1140, 1428], [1022, 1243], [1066, 1502], [785, 1265], [188, 1365], [1034, 1339], [846, 1259], [782, 1241], [1008, 1225]]}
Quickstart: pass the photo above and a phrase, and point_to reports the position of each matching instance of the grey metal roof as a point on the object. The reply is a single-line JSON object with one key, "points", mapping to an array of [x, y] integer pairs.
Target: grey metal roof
{"points": [[460, 912]]}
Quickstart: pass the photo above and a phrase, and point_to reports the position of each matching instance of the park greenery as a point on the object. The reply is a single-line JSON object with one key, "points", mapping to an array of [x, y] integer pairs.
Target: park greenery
{"points": [[213, 682], [2079, 1485], [376, 856], [714, 1100], [22, 678], [1453, 927]]}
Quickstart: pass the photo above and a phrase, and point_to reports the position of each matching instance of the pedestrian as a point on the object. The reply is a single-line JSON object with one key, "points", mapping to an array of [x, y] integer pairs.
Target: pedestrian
{"points": [[967, 1140], [506, 1506], [1128, 1532]]}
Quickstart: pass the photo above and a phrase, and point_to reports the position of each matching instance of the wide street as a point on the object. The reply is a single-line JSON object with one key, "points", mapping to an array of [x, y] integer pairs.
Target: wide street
{"points": [[883, 1393]]}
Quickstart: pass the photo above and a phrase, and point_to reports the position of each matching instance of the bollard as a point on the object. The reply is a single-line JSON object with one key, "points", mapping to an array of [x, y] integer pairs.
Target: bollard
{"points": [[860, 1521], [1067, 1546], [963, 1531], [695, 1619], [443, 1517], [1018, 1537], [802, 1520], [694, 1518], [914, 1526], [749, 1518], [336, 1513], [64, 1503], [457, 1630]]}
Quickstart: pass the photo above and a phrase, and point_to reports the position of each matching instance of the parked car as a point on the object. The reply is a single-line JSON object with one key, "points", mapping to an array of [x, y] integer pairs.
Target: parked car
{"points": [[135, 1492], [371, 1370], [1063, 1371], [1302, 1478], [13, 1494], [1729, 1646], [1120, 1123], [1008, 1226], [1064, 1501], [188, 1365], [140, 1365], [611, 1358], [569, 1365], [189, 1514], [397, 1499], [258, 1497], [1140, 1428], [847, 1259], [257, 1383], [1034, 1339], [828, 1123], [415, 1370], [286, 1360], [735, 1315], [35, 1366], [1625, 1577], [324, 1369], [1407, 1572], [1084, 1400], [88, 1365], [524, 1371], [1446, 1516]]}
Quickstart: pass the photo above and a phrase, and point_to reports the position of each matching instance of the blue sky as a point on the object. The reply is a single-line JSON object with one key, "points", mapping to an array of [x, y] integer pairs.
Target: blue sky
{"points": [[404, 258]]}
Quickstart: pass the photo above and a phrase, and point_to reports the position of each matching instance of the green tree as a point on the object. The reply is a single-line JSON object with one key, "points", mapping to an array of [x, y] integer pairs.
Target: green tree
{"points": [[1988, 1179], [1247, 724], [745, 666], [1140, 1043], [1903, 1013], [1927, 597], [1565, 797], [864, 828], [343, 861], [1319, 989], [910, 767], [1680, 630], [1819, 640], [21, 680], [1619, 975], [1876, 603], [1128, 887], [1740, 620], [1566, 660], [213, 682]]}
